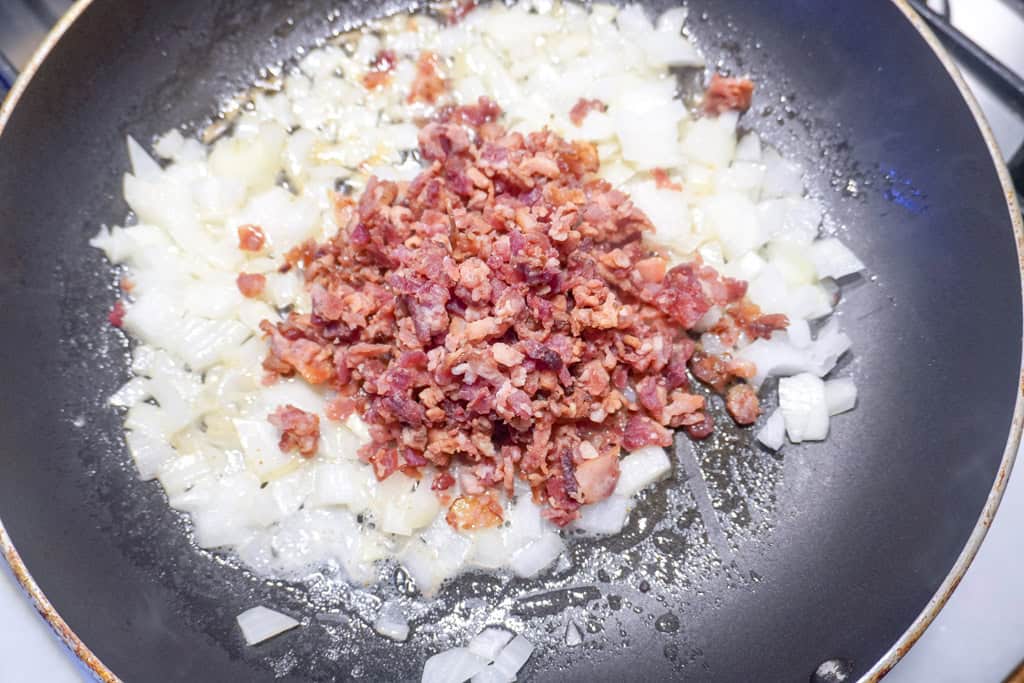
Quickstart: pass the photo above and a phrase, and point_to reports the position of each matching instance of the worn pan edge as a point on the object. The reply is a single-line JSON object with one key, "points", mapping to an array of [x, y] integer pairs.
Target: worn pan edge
{"points": [[956, 574], [913, 633]]}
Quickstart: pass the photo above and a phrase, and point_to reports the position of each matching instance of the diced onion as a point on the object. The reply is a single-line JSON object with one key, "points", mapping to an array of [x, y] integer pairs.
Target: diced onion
{"points": [[489, 642], [391, 622], [802, 404], [573, 635], [840, 395], [605, 517], [513, 657], [261, 623], [144, 167], [834, 259], [773, 433], [452, 666], [641, 468], [532, 558]]}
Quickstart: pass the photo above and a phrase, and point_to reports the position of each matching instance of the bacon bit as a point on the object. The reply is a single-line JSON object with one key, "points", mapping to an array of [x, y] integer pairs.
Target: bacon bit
{"points": [[342, 208], [643, 431], [492, 314], [428, 85], [251, 284], [583, 107], [126, 284], [442, 482], [340, 407], [385, 61], [742, 403], [300, 431], [116, 315], [651, 269], [303, 253], [376, 79], [701, 428], [728, 94], [765, 325], [288, 355], [663, 182], [597, 478], [473, 512], [457, 11], [251, 237]]}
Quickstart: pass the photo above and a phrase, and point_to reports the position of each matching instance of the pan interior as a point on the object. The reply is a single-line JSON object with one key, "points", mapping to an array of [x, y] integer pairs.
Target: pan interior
{"points": [[745, 565]]}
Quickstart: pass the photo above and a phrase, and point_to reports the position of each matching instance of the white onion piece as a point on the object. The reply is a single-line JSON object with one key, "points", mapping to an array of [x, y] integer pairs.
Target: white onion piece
{"points": [[799, 333], [840, 395], [513, 657], [131, 392], [391, 622], [672, 20], [529, 560], [452, 666], [491, 675], [605, 517], [773, 433], [749, 148], [261, 623], [803, 407], [489, 642], [829, 347], [834, 259], [641, 468], [782, 178], [169, 145], [149, 453], [144, 167], [573, 635]]}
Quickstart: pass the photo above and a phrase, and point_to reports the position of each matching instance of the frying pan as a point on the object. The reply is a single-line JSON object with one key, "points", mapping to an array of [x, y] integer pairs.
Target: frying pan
{"points": [[746, 565]]}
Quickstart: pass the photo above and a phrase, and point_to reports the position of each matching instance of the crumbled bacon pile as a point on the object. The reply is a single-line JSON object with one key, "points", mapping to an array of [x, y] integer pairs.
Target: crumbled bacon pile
{"points": [[503, 312]]}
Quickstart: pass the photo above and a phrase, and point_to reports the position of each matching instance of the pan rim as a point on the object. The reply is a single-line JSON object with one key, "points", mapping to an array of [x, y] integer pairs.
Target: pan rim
{"points": [[931, 610]]}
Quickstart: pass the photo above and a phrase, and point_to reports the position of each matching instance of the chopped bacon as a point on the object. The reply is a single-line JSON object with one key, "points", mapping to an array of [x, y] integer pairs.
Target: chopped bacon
{"points": [[473, 512], [643, 431], [251, 284], [651, 269], [583, 107], [728, 94], [251, 237], [462, 8], [597, 478], [501, 316], [300, 431], [741, 402], [116, 315], [663, 182], [428, 85], [380, 69], [376, 79], [385, 60], [701, 427], [442, 482]]}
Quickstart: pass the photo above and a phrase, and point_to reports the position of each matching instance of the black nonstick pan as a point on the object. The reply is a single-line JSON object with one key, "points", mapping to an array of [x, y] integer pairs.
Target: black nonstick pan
{"points": [[829, 557]]}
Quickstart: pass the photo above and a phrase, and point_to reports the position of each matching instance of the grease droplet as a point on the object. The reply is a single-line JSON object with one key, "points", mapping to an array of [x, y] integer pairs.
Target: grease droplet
{"points": [[833, 671], [667, 623]]}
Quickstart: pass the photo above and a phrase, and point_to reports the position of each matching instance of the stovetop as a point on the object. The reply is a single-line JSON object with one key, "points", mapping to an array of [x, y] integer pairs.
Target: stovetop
{"points": [[978, 636]]}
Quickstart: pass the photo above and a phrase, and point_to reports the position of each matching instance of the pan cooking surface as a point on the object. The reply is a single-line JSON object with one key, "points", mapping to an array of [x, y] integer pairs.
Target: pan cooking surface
{"points": [[745, 566]]}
